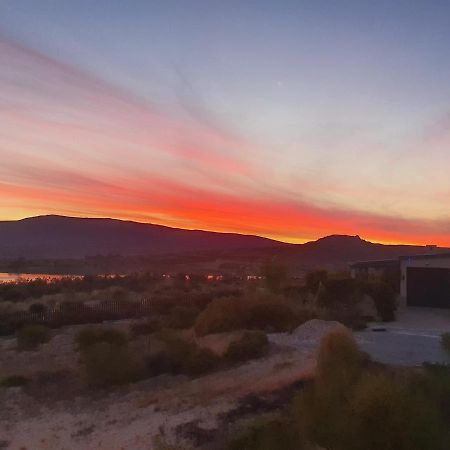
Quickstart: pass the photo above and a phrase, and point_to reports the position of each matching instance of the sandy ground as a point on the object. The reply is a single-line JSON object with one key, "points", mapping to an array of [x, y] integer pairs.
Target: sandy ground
{"points": [[130, 418]]}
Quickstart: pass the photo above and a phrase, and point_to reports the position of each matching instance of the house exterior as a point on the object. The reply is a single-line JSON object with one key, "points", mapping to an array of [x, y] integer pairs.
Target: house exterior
{"points": [[373, 270], [424, 279]]}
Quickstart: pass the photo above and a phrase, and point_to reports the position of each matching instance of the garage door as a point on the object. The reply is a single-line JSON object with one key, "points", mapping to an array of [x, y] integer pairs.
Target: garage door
{"points": [[428, 287]]}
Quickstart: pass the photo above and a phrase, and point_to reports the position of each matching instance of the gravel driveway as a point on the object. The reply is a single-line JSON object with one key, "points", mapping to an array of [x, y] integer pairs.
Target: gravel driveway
{"points": [[403, 347], [414, 338]]}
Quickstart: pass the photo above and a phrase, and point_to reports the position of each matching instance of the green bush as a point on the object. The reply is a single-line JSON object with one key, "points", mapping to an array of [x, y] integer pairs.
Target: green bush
{"points": [[252, 344], [14, 381], [30, 337], [107, 364], [92, 335], [267, 434], [445, 342]]}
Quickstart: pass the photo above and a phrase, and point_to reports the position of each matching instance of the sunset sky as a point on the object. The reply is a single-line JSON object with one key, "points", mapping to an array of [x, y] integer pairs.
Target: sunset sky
{"points": [[286, 119]]}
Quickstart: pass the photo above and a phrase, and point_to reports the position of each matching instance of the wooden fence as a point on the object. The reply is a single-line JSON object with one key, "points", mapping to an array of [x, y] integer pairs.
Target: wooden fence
{"points": [[75, 313]]}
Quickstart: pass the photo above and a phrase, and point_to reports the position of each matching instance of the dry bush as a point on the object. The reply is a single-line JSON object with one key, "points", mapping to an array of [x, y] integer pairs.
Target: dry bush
{"points": [[180, 356], [182, 317], [106, 364], [271, 314], [251, 345], [445, 342], [355, 404], [145, 327], [273, 433], [14, 381], [89, 336], [30, 337]]}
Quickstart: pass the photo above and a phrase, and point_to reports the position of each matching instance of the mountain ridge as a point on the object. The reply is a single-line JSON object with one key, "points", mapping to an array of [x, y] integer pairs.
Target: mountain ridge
{"points": [[57, 236]]}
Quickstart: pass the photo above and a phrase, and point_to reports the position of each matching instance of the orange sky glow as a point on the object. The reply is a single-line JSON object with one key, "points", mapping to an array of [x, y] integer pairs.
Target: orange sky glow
{"points": [[73, 144]]}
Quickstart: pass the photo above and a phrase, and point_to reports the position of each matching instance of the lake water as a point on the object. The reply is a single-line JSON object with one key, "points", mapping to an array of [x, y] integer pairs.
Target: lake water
{"points": [[8, 277]]}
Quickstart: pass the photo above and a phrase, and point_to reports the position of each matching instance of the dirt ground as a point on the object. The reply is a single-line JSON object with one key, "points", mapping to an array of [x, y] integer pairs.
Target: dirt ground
{"points": [[130, 417]]}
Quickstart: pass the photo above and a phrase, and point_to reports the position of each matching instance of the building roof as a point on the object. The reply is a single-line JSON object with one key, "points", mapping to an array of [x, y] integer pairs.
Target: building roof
{"points": [[429, 256], [374, 264]]}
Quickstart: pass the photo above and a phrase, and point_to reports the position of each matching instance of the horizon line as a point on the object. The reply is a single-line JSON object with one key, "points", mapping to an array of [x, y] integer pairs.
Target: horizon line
{"points": [[263, 236]]}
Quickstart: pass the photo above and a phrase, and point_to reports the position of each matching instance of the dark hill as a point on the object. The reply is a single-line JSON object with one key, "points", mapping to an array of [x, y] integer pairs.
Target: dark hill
{"points": [[69, 237]]}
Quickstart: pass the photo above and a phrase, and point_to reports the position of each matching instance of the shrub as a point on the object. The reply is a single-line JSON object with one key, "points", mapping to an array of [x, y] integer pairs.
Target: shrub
{"points": [[37, 308], [30, 337], [268, 434], [107, 364], [91, 335], [262, 313], [271, 316], [225, 314], [314, 279], [445, 342], [200, 361], [340, 358], [349, 407], [14, 380], [340, 364], [339, 292], [385, 412], [180, 356], [384, 298], [182, 317], [144, 328], [252, 344]]}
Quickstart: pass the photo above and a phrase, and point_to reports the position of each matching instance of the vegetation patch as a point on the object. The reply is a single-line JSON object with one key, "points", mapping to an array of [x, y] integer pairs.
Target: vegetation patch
{"points": [[106, 364], [30, 337], [252, 344], [93, 335], [180, 356], [445, 342], [14, 381], [267, 313]]}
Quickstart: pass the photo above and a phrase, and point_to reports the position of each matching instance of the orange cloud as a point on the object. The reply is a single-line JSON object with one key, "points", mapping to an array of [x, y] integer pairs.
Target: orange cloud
{"points": [[72, 144]]}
